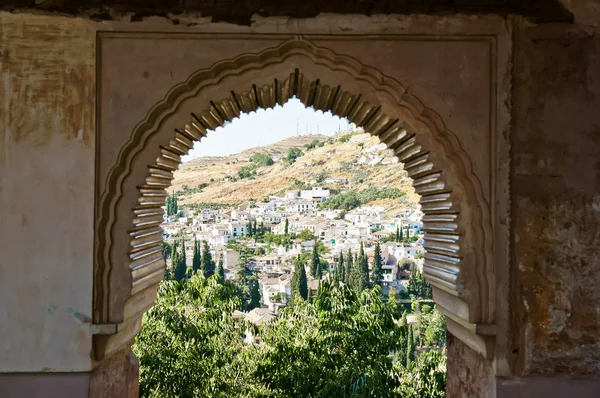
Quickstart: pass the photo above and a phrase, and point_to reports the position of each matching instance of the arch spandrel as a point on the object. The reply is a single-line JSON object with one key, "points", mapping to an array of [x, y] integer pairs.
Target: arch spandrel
{"points": [[130, 264]]}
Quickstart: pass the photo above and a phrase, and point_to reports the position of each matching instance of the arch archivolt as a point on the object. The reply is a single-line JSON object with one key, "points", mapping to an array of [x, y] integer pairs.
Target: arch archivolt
{"points": [[129, 262]]}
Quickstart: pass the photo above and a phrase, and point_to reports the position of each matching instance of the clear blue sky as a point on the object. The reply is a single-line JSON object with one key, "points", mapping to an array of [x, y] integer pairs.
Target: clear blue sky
{"points": [[266, 127]]}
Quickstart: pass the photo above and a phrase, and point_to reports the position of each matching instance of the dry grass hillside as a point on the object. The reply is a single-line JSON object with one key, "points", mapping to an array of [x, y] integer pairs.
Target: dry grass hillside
{"points": [[360, 160]]}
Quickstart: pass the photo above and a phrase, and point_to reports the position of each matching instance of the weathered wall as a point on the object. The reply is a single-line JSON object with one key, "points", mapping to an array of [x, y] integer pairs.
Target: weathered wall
{"points": [[46, 192], [556, 199], [469, 374]]}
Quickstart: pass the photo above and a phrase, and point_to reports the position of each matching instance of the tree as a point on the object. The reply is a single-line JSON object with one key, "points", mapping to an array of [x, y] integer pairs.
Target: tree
{"points": [[432, 327], [171, 205], [427, 378], [208, 265], [315, 263], [348, 268], [262, 159], [418, 287], [401, 354], [167, 249], [249, 228], [359, 277], [339, 269], [221, 272], [196, 257], [299, 281], [292, 155], [306, 234], [377, 273], [410, 346], [254, 295], [398, 234], [180, 269], [286, 228]]}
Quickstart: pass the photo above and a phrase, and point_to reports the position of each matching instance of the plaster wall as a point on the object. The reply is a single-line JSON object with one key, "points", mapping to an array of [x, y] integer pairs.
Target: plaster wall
{"points": [[46, 192], [472, 375], [556, 200]]}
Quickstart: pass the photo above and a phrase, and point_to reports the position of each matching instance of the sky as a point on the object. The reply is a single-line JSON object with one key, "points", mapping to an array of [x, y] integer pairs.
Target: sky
{"points": [[265, 127]]}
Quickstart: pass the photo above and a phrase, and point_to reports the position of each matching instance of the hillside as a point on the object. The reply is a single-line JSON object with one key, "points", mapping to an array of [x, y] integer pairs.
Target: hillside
{"points": [[356, 157]]}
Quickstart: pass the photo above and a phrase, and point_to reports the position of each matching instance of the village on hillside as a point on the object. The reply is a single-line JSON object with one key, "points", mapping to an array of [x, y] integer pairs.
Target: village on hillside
{"points": [[304, 214]]}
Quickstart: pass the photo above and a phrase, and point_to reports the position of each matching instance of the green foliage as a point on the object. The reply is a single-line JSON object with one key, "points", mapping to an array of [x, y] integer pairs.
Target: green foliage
{"points": [[221, 272], [305, 234], [345, 138], [286, 227], [292, 155], [418, 287], [348, 267], [432, 327], [340, 345], [315, 263], [167, 249], [338, 274], [179, 263], [188, 343], [207, 205], [321, 176], [299, 282], [196, 258], [314, 144], [355, 198], [426, 378], [247, 172], [410, 347], [207, 263], [171, 205], [262, 159], [376, 271], [254, 295]]}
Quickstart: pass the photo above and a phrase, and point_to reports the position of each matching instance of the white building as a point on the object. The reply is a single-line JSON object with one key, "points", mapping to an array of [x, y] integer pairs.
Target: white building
{"points": [[237, 229], [316, 193]]}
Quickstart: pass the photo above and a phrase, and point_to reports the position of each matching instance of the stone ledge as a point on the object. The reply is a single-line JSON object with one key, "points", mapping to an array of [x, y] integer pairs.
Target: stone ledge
{"points": [[548, 387]]}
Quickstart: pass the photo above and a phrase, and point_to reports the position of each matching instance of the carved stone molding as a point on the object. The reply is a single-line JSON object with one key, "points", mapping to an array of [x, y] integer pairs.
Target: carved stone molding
{"points": [[458, 233]]}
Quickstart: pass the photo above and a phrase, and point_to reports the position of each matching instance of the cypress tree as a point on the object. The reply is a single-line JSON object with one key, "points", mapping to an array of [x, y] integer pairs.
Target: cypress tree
{"points": [[398, 235], [299, 280], [410, 346], [356, 279], [221, 272], [339, 269], [181, 266], [249, 228], [255, 228], [315, 262], [174, 260], [167, 251], [348, 267], [207, 265], [262, 228], [196, 257], [363, 263], [309, 296], [403, 346], [254, 295], [377, 273], [287, 227]]}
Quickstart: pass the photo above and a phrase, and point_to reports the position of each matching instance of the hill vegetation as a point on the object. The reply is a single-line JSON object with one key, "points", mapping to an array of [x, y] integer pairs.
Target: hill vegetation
{"points": [[349, 161]]}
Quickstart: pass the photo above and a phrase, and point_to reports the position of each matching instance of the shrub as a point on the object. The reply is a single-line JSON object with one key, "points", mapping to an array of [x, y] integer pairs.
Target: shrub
{"points": [[262, 159]]}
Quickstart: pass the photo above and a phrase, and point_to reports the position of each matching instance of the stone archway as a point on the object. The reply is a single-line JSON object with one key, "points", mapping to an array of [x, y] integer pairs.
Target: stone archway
{"points": [[457, 226]]}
